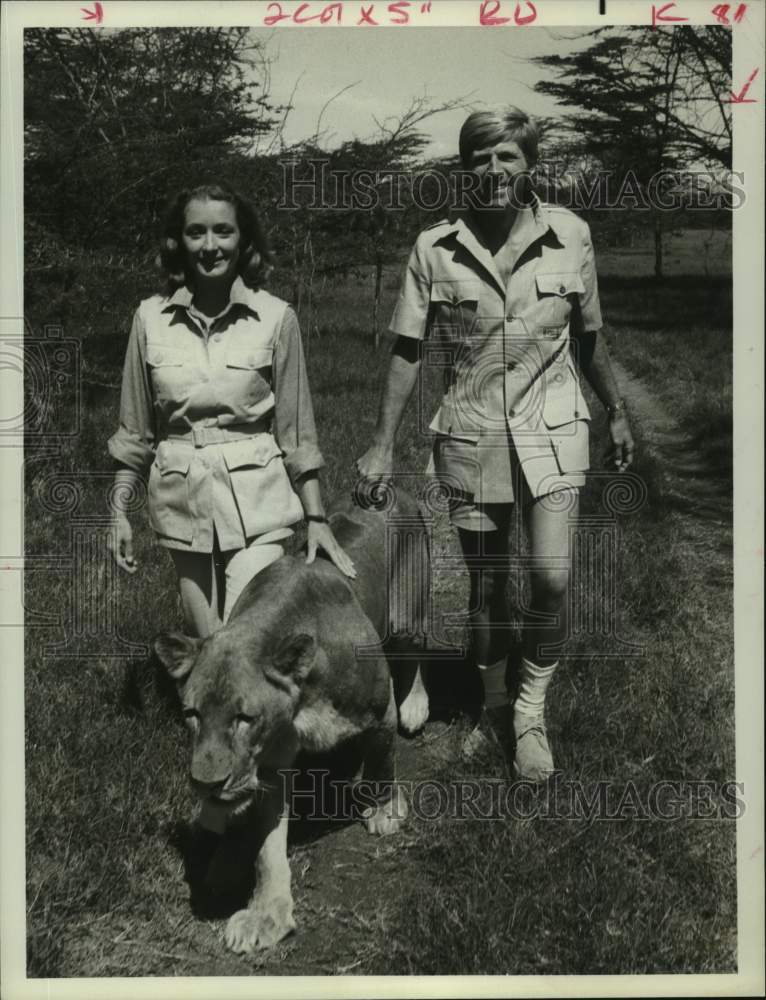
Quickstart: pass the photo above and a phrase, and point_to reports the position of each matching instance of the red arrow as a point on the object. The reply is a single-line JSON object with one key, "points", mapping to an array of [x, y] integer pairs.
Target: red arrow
{"points": [[740, 97], [97, 14], [659, 15]]}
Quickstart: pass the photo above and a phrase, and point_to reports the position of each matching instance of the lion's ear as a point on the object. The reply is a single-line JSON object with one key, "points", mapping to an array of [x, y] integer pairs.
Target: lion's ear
{"points": [[176, 653], [294, 656]]}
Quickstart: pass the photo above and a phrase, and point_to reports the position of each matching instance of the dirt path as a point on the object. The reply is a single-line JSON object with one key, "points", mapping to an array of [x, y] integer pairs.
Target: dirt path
{"points": [[686, 479]]}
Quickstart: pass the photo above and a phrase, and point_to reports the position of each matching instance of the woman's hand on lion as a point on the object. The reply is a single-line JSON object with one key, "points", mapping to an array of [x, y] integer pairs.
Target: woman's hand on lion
{"points": [[121, 543], [321, 537]]}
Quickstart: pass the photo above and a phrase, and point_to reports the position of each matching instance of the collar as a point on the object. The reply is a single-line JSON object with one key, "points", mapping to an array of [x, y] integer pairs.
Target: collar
{"points": [[530, 225], [239, 294]]}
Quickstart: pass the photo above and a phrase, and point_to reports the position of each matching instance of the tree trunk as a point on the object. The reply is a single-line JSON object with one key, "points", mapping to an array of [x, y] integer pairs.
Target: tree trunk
{"points": [[376, 299], [658, 246]]}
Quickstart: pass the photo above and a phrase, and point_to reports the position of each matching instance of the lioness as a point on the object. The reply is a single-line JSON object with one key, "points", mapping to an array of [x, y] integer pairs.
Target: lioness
{"points": [[299, 665]]}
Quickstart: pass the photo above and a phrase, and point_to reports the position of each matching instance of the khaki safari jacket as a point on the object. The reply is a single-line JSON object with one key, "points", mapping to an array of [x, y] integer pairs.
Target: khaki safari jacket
{"points": [[219, 416], [504, 349]]}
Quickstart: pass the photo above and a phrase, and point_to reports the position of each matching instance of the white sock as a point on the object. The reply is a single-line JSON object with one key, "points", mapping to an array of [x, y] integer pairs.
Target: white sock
{"points": [[534, 684], [493, 679]]}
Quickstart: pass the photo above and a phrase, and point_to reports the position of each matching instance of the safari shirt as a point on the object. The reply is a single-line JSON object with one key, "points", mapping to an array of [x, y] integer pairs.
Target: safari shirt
{"points": [[219, 414], [504, 349]]}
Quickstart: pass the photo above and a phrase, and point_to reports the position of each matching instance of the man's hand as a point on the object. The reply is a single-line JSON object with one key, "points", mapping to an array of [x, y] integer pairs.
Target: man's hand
{"points": [[377, 462], [621, 451], [120, 543]]}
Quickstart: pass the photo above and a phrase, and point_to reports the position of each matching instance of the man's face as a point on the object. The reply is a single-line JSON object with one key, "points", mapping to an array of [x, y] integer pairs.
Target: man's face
{"points": [[497, 167]]}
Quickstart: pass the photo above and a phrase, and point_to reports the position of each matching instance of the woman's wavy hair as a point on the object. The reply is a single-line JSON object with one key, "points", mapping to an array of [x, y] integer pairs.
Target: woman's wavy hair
{"points": [[507, 124], [255, 258]]}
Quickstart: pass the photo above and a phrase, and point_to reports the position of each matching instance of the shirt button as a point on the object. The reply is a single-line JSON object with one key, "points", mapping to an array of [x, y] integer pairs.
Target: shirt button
{"points": [[510, 366], [509, 317], [216, 336], [576, 414], [562, 289], [511, 413]]}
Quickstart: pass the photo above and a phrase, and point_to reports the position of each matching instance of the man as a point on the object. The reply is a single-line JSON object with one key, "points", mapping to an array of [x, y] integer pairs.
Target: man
{"points": [[507, 295]]}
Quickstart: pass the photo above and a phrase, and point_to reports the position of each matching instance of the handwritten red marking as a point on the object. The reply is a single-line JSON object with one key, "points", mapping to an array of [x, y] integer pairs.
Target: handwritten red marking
{"points": [[330, 11], [366, 15], [488, 13], [425, 8], [721, 13], [97, 14], [740, 97], [659, 15], [304, 20], [271, 19], [399, 10], [525, 19]]}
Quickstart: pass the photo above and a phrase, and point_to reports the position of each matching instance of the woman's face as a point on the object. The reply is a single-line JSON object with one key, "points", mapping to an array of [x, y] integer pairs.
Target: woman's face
{"points": [[211, 239], [498, 168]]}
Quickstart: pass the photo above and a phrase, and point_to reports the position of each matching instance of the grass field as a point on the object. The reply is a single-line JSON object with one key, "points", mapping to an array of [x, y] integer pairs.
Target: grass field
{"points": [[107, 798]]}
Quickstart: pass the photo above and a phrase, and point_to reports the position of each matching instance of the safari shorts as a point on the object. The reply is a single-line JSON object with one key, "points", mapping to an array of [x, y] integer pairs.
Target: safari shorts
{"points": [[456, 464]]}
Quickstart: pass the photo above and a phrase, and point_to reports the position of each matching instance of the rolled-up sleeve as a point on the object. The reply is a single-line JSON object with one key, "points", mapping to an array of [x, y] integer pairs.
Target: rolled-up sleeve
{"points": [[294, 426], [410, 316], [589, 318], [134, 442]]}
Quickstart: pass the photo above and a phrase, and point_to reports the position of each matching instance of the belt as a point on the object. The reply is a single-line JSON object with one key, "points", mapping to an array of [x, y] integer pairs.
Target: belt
{"points": [[202, 436]]}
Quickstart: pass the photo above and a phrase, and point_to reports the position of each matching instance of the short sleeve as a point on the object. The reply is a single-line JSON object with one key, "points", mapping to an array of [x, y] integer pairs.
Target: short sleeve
{"points": [[589, 319], [411, 311], [134, 442]]}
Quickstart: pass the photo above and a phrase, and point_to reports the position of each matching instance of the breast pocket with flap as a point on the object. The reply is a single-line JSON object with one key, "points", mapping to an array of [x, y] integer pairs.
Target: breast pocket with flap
{"points": [[454, 309], [555, 298]]}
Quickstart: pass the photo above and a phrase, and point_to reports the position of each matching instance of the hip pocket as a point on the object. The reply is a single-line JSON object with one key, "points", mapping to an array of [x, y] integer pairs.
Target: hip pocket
{"points": [[262, 489], [168, 494], [456, 462]]}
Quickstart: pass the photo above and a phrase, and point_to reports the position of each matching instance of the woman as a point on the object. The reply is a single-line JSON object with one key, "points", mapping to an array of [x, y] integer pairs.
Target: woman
{"points": [[216, 409]]}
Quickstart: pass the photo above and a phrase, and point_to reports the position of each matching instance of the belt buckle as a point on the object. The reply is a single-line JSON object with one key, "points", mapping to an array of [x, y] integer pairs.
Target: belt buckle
{"points": [[199, 437]]}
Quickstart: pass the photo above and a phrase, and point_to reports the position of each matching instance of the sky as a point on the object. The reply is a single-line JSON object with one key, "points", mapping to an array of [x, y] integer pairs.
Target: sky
{"points": [[386, 68]]}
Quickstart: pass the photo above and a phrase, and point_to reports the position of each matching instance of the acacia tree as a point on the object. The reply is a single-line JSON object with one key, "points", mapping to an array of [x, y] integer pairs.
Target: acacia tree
{"points": [[115, 120], [650, 100], [364, 215]]}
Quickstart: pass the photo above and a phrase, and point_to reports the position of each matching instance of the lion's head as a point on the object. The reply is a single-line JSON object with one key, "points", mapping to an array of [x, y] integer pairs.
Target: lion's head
{"points": [[239, 698]]}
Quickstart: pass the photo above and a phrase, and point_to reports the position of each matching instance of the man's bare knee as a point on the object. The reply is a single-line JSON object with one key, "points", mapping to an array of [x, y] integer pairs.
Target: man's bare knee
{"points": [[550, 584]]}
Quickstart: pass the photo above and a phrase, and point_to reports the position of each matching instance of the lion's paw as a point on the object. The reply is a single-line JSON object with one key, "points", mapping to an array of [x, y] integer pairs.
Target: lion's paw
{"points": [[262, 925], [388, 817], [413, 708], [413, 711]]}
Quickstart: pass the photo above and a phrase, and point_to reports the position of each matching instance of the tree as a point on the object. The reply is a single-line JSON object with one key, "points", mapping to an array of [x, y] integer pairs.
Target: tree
{"points": [[366, 213], [116, 120], [651, 102]]}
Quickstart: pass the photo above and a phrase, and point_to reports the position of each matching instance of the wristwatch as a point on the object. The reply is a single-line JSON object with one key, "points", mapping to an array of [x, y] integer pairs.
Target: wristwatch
{"points": [[317, 518], [615, 409]]}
